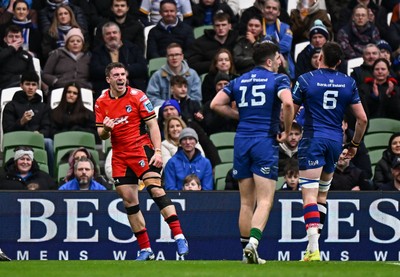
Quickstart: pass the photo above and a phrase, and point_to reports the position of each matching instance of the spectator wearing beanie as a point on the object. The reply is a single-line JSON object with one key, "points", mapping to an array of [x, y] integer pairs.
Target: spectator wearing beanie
{"points": [[385, 49], [302, 20], [187, 160], [69, 63]]}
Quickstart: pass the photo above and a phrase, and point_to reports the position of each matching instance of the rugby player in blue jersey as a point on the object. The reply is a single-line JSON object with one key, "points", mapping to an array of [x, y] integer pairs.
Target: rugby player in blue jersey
{"points": [[259, 96], [325, 95]]}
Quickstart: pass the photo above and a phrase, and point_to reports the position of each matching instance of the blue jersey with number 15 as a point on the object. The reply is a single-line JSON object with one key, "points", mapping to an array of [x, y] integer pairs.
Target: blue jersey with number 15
{"points": [[256, 95], [325, 95]]}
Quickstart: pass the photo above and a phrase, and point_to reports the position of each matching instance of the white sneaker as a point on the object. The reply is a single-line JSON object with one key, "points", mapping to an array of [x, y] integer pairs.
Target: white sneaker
{"points": [[251, 254]]}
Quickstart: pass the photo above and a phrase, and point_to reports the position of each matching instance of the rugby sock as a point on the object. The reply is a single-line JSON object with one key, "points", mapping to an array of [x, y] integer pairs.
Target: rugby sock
{"points": [[255, 236], [311, 218], [244, 241], [143, 239], [322, 208], [175, 226]]}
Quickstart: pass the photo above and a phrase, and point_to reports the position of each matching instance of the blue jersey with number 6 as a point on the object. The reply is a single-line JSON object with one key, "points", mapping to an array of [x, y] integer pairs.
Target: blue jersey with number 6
{"points": [[256, 95], [325, 95]]}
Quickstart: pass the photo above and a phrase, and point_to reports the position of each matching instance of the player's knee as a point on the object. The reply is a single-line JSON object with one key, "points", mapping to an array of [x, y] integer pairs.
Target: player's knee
{"points": [[309, 183], [324, 185], [162, 201], [132, 209]]}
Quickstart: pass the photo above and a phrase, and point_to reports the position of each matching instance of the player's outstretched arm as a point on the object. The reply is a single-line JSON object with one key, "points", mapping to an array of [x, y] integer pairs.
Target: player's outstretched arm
{"points": [[221, 104]]}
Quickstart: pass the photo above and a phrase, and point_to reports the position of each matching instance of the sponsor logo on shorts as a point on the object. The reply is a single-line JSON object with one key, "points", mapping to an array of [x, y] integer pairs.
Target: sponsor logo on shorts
{"points": [[265, 170], [313, 163]]}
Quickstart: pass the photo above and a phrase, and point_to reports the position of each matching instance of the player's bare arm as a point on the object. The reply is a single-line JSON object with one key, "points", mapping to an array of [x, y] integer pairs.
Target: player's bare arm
{"points": [[155, 137], [361, 125], [288, 114], [221, 104]]}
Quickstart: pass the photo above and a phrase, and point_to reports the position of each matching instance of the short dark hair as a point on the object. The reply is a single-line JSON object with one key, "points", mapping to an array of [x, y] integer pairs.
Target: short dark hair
{"points": [[111, 66], [112, 2], [29, 76], [221, 16], [264, 51], [163, 2], [297, 126], [291, 168], [332, 53], [84, 159], [178, 80], [14, 29], [20, 1]]}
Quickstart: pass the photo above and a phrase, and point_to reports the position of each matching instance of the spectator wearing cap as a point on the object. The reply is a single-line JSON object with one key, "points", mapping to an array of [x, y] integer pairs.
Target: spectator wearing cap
{"points": [[188, 160], [358, 33], [69, 63], [171, 108], [159, 90], [318, 36], [214, 122], [22, 172], [303, 17], [385, 50], [394, 185]]}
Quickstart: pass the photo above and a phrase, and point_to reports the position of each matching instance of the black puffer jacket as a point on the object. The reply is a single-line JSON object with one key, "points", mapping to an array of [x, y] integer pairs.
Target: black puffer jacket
{"points": [[383, 172], [40, 180]]}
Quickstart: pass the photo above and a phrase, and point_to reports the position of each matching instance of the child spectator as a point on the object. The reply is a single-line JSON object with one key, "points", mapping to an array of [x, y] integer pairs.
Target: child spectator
{"points": [[291, 177], [192, 182]]}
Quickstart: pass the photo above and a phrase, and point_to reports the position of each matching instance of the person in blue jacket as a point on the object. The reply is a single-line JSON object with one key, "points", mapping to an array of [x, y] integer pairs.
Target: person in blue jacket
{"points": [[84, 170], [188, 160]]}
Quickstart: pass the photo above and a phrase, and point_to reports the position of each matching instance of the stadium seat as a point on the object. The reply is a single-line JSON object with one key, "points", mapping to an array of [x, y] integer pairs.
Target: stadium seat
{"points": [[223, 139], [155, 64], [291, 4], [56, 95], [383, 125], [106, 145], [73, 139], [25, 138], [279, 182], [299, 47], [199, 31], [226, 155], [38, 70], [376, 141], [44, 167], [62, 171], [220, 174], [62, 152], [352, 63], [375, 155]]}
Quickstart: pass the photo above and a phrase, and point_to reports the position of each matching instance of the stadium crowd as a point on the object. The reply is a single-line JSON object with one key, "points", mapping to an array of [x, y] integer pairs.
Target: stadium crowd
{"points": [[181, 53]]}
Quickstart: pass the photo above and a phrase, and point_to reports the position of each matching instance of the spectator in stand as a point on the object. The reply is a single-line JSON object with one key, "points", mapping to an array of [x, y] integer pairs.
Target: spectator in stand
{"points": [[257, 9], [71, 114], [192, 182], [348, 177], [190, 109], [243, 50], [14, 59], [204, 11], [379, 97], [168, 30], [280, 33], [233, 5], [114, 49], [131, 29], [22, 172], [63, 21], [204, 48], [47, 14], [158, 89], [357, 34], [385, 52], [75, 155], [18, 13], [214, 122], [150, 14], [291, 177], [83, 177], [171, 108], [394, 184], [383, 172], [187, 160], [27, 112], [288, 149], [69, 63], [370, 54], [318, 35], [221, 63], [303, 19], [172, 130]]}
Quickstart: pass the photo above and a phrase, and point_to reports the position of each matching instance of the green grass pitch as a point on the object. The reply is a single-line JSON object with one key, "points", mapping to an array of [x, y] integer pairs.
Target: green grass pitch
{"points": [[195, 268]]}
